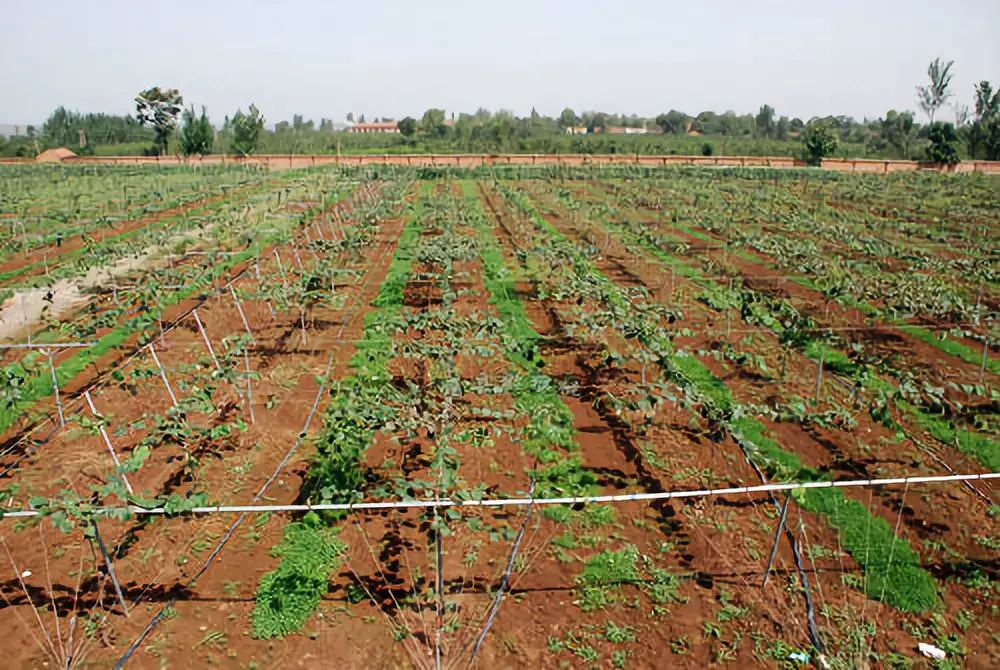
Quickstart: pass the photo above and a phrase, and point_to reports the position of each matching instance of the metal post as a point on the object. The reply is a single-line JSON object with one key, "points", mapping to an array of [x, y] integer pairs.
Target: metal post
{"points": [[243, 316], [110, 566], [163, 375], [204, 336], [246, 362], [777, 538], [107, 441], [55, 388]]}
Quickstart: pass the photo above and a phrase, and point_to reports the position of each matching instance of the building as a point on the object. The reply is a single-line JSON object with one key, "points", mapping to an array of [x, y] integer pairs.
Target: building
{"points": [[380, 127], [576, 130], [624, 130]]}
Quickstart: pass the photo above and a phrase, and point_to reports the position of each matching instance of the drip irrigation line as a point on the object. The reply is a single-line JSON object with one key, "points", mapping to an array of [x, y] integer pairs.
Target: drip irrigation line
{"points": [[202, 298], [320, 392], [505, 580], [48, 345], [253, 508]]}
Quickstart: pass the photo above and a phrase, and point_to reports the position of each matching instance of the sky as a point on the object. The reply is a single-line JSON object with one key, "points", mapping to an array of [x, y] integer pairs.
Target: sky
{"points": [[325, 58]]}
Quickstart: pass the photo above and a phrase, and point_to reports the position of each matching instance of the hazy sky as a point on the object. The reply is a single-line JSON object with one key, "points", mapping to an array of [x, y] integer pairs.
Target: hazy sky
{"points": [[323, 58]]}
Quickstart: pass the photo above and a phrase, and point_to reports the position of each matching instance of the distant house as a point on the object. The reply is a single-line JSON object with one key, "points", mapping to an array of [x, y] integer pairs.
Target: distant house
{"points": [[576, 130], [60, 155], [624, 130], [693, 129], [380, 127]]}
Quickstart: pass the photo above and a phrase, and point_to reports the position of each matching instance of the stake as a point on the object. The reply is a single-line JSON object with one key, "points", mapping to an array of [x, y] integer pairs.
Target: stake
{"points": [[110, 566], [246, 361], [439, 587], [777, 538], [281, 268], [107, 442], [729, 315], [55, 389], [298, 259], [819, 373], [243, 316], [204, 336], [982, 365], [163, 375]]}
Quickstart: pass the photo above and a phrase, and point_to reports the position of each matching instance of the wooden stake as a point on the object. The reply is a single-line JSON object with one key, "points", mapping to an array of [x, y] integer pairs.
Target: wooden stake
{"points": [[107, 442]]}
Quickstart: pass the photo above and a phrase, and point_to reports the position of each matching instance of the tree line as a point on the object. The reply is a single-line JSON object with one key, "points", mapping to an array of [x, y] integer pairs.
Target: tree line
{"points": [[161, 115]]}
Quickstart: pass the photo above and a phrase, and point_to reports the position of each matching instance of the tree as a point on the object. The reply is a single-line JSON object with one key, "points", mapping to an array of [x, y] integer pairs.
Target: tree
{"points": [[407, 126], [350, 117], [433, 123], [944, 142], [982, 136], [158, 108], [898, 130], [934, 95], [764, 121], [818, 140], [568, 118], [361, 119], [196, 133], [781, 129], [673, 122], [246, 130]]}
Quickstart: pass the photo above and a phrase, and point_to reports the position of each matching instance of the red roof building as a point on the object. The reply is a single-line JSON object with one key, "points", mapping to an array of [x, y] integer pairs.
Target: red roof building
{"points": [[380, 127]]}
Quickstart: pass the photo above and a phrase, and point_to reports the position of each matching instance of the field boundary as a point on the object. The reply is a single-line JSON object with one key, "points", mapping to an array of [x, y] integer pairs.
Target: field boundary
{"points": [[282, 161]]}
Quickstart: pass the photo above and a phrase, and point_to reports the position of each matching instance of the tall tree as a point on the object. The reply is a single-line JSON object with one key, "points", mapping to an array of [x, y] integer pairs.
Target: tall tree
{"points": [[159, 108], [982, 136], [898, 130], [935, 94], [764, 121], [433, 123], [196, 133], [246, 130], [781, 128]]}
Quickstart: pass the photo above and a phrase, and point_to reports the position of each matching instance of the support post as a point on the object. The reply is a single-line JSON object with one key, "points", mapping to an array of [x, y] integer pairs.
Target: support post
{"points": [[819, 374], [55, 389], [204, 336], [243, 316], [107, 441], [163, 375], [777, 538], [109, 566], [246, 362]]}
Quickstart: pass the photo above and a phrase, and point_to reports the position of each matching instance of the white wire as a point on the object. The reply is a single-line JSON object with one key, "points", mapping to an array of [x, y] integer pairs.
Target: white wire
{"points": [[514, 502]]}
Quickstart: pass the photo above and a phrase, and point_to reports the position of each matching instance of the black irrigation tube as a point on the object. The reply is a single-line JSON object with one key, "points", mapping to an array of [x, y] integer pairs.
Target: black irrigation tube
{"points": [[202, 298], [158, 617]]}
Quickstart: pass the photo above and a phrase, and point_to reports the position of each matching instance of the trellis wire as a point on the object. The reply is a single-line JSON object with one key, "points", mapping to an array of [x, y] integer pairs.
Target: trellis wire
{"points": [[520, 502]]}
